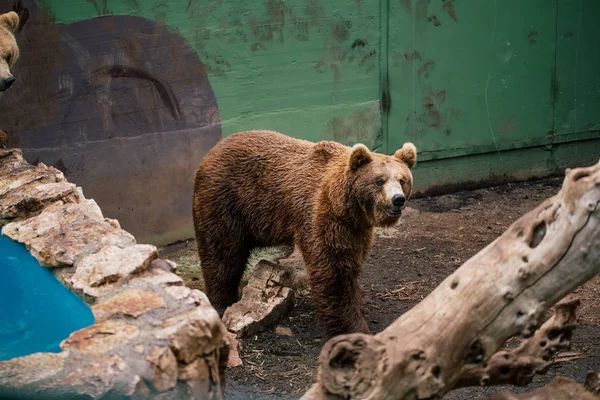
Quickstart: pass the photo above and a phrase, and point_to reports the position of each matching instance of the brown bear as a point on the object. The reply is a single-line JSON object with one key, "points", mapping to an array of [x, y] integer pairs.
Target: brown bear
{"points": [[262, 188], [9, 52]]}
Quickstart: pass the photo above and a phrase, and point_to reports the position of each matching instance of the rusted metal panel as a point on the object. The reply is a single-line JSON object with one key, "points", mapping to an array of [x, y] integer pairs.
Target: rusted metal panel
{"points": [[576, 86], [466, 78]]}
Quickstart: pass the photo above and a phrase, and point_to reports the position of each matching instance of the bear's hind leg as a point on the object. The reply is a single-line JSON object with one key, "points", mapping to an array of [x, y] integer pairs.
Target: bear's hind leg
{"points": [[222, 271]]}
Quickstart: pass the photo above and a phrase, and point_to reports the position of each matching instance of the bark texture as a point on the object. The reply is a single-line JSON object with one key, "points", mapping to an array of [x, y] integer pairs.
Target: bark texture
{"points": [[534, 355]]}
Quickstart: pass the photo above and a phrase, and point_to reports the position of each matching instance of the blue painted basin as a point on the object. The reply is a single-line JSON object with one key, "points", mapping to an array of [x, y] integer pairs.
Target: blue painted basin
{"points": [[36, 311]]}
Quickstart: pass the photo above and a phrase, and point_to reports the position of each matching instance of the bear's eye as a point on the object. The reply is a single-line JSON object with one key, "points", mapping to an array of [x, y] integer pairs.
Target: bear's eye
{"points": [[8, 58], [402, 182], [380, 182]]}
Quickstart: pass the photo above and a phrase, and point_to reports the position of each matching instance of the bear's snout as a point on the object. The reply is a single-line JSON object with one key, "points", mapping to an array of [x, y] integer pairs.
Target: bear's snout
{"points": [[6, 83], [398, 200]]}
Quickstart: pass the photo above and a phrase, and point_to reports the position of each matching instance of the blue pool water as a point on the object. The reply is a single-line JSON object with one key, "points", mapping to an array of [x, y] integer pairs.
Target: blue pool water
{"points": [[36, 311]]}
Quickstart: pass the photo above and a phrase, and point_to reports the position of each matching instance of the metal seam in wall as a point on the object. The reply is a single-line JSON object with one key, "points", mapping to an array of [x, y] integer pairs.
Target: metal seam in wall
{"points": [[507, 146], [384, 91], [553, 87]]}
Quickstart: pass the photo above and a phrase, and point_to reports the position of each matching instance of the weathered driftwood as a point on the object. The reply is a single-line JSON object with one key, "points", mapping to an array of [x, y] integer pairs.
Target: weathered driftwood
{"points": [[560, 389], [503, 290], [534, 355], [592, 383], [265, 299]]}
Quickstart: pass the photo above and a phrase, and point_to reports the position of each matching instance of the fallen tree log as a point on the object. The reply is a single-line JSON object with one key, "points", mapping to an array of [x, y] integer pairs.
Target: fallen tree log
{"points": [[533, 356], [559, 389], [502, 291], [592, 383]]}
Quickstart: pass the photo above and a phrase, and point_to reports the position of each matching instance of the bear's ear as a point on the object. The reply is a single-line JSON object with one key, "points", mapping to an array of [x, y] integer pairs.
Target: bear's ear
{"points": [[359, 156], [10, 21], [407, 154]]}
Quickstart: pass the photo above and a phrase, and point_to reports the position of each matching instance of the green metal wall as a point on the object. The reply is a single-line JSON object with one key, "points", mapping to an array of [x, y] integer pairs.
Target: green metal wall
{"points": [[488, 90], [309, 68], [473, 78]]}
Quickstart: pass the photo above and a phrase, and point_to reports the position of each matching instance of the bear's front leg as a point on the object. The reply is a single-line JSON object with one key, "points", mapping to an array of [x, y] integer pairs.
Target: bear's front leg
{"points": [[337, 296]]}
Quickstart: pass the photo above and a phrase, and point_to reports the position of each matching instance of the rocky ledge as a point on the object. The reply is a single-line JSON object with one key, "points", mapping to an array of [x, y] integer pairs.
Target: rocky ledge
{"points": [[153, 337]]}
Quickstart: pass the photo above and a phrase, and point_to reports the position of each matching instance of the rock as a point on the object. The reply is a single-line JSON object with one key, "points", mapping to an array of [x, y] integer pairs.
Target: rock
{"points": [[198, 376], [64, 232], [264, 300], [150, 277], [93, 380], [28, 199], [192, 296], [157, 277], [283, 331], [22, 176], [11, 160], [138, 389], [100, 338], [234, 359], [178, 393], [199, 297], [132, 302], [111, 264], [196, 370], [178, 292], [51, 218], [193, 333], [91, 294], [167, 265], [147, 278], [164, 369], [153, 338], [23, 371]]}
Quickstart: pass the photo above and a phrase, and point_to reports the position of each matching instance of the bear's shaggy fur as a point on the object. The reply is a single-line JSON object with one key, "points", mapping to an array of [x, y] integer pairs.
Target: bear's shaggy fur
{"points": [[262, 188], [9, 51]]}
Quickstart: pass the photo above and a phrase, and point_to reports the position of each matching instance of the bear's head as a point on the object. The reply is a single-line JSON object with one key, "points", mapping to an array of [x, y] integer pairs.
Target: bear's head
{"points": [[381, 184], [9, 52]]}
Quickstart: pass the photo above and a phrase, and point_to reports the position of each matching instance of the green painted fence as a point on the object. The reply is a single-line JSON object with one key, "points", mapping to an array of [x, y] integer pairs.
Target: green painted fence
{"points": [[126, 96], [470, 80]]}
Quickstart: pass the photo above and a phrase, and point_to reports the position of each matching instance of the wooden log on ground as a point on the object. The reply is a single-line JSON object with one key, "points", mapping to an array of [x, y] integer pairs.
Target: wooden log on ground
{"points": [[560, 389], [533, 356], [592, 383], [502, 291]]}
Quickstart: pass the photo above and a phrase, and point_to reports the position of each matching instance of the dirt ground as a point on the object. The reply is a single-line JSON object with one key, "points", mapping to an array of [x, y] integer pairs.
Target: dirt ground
{"points": [[434, 237]]}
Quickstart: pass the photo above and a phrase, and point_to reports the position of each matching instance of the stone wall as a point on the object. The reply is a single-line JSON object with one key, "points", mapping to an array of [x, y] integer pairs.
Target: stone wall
{"points": [[153, 337]]}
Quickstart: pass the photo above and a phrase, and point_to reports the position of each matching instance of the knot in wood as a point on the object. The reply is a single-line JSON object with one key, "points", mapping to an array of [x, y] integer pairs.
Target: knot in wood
{"points": [[352, 365]]}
